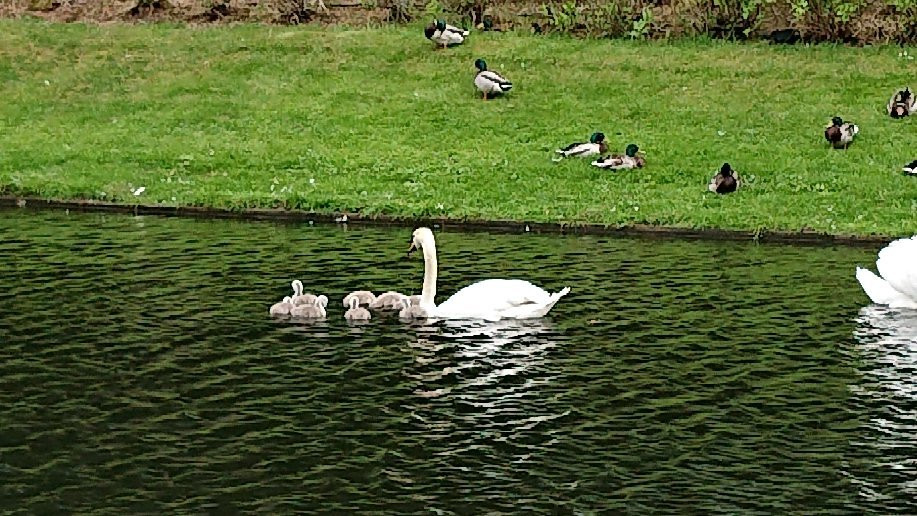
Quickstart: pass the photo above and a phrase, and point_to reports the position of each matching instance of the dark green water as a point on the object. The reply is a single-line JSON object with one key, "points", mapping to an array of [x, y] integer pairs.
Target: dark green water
{"points": [[140, 373]]}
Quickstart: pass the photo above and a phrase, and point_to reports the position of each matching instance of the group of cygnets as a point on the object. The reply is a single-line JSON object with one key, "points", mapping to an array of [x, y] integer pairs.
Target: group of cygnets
{"points": [[309, 306]]}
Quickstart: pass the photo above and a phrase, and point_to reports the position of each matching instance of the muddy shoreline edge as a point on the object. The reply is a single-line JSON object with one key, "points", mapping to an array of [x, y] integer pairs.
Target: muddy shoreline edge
{"points": [[498, 226]]}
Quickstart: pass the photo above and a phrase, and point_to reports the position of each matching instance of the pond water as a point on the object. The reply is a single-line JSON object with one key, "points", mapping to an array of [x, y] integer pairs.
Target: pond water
{"points": [[140, 372]]}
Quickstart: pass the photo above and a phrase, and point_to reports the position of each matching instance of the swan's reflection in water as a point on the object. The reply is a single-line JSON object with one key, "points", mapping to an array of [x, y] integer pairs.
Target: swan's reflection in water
{"points": [[484, 385], [886, 339]]}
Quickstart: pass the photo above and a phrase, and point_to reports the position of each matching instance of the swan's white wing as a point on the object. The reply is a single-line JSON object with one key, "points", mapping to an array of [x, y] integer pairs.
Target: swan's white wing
{"points": [[897, 264], [496, 294], [530, 311], [879, 291], [498, 298]]}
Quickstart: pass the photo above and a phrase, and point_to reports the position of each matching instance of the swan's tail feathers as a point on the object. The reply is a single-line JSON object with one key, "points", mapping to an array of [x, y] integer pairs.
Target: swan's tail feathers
{"points": [[879, 291], [555, 297], [896, 266]]}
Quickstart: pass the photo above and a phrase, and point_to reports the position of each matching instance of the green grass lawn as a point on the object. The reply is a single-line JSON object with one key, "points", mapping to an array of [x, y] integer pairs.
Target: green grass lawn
{"points": [[377, 121]]}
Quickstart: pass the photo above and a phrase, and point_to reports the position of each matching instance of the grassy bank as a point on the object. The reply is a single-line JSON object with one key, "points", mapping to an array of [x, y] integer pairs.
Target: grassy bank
{"points": [[378, 122]]}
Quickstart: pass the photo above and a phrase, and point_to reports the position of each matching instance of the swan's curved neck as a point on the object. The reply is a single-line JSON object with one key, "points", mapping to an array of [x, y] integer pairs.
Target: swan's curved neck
{"points": [[428, 295]]}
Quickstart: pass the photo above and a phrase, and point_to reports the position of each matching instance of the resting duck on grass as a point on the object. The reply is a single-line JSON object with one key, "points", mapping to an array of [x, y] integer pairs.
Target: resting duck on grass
{"points": [[911, 168], [901, 104], [840, 134], [726, 181], [619, 162], [489, 82], [444, 34], [595, 145]]}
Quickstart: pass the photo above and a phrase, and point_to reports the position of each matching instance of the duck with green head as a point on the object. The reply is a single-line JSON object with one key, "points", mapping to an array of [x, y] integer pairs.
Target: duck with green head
{"points": [[489, 82], [444, 34], [595, 145], [902, 103], [618, 161], [840, 134], [726, 181]]}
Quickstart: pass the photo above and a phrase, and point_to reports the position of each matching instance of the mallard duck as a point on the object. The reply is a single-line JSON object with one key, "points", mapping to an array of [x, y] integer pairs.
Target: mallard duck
{"points": [[595, 145], [902, 103], [487, 24], [617, 161], [911, 168], [726, 181], [840, 134], [489, 82], [444, 34]]}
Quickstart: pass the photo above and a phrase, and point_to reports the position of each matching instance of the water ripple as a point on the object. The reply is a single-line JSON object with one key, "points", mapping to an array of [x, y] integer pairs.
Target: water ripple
{"points": [[139, 373]]}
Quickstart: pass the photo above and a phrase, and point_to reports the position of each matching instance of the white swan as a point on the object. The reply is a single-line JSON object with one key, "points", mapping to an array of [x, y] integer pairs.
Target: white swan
{"points": [[492, 299], [897, 263]]}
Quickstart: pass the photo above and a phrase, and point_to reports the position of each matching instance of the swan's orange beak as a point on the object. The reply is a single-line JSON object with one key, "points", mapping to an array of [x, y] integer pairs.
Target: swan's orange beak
{"points": [[412, 249]]}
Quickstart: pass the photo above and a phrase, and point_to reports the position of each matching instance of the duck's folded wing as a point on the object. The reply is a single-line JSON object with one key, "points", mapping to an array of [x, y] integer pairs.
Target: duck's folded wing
{"points": [[584, 149], [570, 147], [714, 182], [495, 77], [459, 30], [604, 162], [613, 162]]}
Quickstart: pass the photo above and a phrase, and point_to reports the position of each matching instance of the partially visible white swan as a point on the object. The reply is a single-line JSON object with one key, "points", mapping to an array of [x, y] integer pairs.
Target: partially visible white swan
{"points": [[897, 263], [492, 299]]}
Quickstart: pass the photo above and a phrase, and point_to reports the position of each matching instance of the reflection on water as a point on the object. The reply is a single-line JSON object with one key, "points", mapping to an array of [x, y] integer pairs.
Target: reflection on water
{"points": [[887, 344], [141, 373]]}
